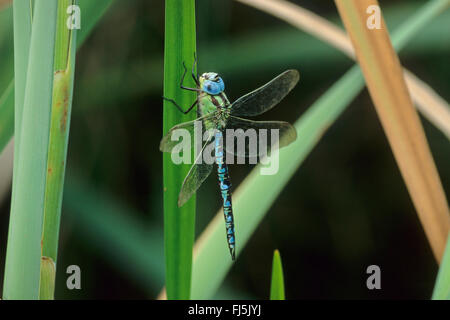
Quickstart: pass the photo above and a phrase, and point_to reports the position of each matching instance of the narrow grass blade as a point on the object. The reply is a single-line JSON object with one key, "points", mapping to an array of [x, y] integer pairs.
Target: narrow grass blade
{"points": [[65, 51], [209, 269], [442, 286], [179, 223], [400, 121], [277, 283], [428, 102], [22, 269]]}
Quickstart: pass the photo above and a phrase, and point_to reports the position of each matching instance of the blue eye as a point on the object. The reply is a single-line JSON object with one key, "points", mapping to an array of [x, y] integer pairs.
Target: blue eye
{"points": [[213, 87]]}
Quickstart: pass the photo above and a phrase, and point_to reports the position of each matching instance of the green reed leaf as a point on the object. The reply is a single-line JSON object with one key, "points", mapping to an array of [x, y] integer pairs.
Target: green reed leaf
{"points": [[179, 223], [277, 283], [22, 269]]}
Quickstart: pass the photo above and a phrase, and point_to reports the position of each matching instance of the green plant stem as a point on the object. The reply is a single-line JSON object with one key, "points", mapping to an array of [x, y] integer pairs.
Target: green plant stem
{"points": [[22, 268], [65, 51], [179, 223]]}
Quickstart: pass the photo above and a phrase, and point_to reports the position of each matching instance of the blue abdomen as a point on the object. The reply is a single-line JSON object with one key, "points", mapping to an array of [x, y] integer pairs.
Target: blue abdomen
{"points": [[225, 185]]}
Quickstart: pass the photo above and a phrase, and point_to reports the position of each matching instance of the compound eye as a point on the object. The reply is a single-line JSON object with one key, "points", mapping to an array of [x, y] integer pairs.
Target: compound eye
{"points": [[220, 84], [211, 87]]}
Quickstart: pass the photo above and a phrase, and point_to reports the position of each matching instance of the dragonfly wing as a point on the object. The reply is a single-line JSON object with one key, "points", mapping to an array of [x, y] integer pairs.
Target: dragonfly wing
{"points": [[243, 142], [267, 96], [173, 137], [195, 177]]}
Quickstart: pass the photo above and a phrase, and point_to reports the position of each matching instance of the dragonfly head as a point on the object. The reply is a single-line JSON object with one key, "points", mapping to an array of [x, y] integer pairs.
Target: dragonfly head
{"points": [[211, 83]]}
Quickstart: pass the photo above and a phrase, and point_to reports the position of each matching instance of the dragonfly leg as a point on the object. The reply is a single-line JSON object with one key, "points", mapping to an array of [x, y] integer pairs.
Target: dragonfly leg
{"points": [[182, 80], [178, 107], [195, 77], [191, 107]]}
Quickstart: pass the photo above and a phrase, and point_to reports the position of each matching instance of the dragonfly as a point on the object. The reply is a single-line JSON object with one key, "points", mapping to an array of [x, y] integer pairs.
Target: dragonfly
{"points": [[217, 113]]}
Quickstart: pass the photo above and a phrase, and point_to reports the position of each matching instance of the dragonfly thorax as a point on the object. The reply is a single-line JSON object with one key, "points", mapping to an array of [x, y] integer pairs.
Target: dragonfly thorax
{"points": [[213, 103]]}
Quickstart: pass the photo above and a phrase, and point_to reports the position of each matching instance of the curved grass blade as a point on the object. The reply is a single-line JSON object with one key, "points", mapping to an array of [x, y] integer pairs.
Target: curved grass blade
{"points": [[277, 282]]}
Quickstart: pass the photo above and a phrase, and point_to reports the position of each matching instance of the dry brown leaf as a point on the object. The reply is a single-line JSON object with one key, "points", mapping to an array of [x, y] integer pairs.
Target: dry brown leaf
{"points": [[384, 78]]}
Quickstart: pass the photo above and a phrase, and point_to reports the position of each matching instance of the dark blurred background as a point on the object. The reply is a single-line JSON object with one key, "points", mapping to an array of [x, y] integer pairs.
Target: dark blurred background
{"points": [[345, 208]]}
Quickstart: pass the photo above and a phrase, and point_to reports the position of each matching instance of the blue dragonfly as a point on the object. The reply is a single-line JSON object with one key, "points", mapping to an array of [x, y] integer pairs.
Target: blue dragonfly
{"points": [[217, 113]]}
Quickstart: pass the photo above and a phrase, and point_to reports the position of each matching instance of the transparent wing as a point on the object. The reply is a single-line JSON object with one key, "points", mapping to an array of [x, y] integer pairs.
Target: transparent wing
{"points": [[174, 136], [196, 175], [267, 96], [250, 138]]}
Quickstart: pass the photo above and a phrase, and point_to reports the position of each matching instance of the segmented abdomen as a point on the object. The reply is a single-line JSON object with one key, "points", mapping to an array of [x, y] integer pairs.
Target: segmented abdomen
{"points": [[225, 185]]}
